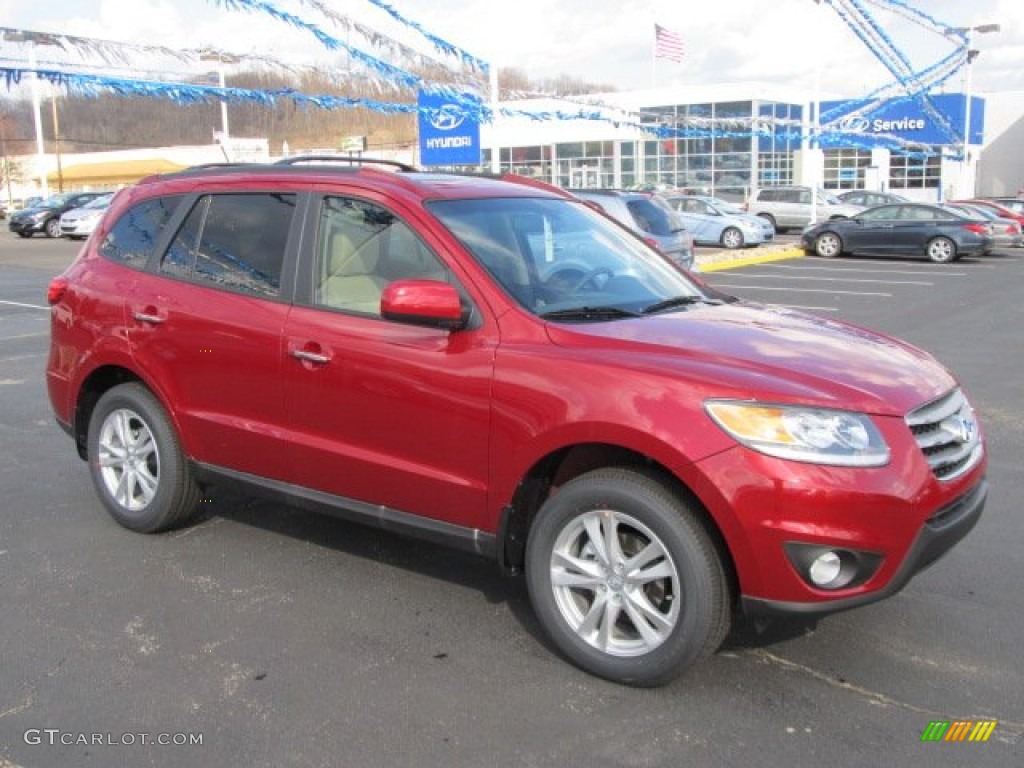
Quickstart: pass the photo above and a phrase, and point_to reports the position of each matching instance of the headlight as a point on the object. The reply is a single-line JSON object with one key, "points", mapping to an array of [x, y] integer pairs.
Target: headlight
{"points": [[815, 435]]}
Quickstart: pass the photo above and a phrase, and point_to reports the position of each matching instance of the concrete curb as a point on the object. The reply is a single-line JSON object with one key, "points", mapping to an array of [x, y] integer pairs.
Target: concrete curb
{"points": [[721, 260]]}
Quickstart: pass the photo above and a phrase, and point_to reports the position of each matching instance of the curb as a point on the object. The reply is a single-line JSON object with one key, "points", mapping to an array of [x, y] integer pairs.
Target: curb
{"points": [[716, 262]]}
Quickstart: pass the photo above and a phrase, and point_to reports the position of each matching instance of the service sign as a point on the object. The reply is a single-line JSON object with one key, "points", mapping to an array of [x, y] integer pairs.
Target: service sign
{"points": [[449, 133], [907, 120]]}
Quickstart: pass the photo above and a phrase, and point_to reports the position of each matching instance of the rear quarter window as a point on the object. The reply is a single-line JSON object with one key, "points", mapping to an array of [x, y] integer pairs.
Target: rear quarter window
{"points": [[133, 237]]}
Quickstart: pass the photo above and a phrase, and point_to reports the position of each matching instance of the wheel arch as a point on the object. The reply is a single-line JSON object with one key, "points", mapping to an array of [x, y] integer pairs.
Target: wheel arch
{"points": [[564, 464], [93, 387]]}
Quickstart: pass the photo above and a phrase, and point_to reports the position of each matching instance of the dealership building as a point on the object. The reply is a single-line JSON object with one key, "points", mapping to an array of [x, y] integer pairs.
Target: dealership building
{"points": [[729, 139]]}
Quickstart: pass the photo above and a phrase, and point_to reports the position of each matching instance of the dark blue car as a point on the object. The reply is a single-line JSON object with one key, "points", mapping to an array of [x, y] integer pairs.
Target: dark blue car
{"points": [[910, 229]]}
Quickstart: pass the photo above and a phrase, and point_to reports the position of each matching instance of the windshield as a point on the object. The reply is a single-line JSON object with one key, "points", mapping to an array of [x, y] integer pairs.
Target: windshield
{"points": [[54, 201], [557, 256], [99, 202]]}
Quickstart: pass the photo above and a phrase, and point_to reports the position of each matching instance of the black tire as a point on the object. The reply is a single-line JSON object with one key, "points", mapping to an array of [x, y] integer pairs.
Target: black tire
{"points": [[685, 594], [24, 234], [828, 245], [136, 462], [732, 238], [52, 228], [941, 250]]}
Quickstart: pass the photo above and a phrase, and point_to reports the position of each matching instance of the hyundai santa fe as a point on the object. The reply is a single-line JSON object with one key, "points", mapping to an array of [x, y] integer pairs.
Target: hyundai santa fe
{"points": [[493, 364]]}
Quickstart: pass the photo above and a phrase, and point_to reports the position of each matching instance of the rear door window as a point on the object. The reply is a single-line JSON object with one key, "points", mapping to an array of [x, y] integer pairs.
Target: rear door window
{"points": [[234, 241], [650, 217]]}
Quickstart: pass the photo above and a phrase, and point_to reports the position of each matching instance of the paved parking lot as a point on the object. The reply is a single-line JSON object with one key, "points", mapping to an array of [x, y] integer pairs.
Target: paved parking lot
{"points": [[280, 638]]}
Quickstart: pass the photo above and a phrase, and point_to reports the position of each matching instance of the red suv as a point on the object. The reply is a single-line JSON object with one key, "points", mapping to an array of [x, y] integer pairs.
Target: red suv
{"points": [[497, 366]]}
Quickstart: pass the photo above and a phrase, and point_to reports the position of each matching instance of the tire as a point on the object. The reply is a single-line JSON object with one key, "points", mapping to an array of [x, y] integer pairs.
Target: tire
{"points": [[137, 466], [828, 245], [660, 623], [24, 234], [941, 250], [732, 238], [52, 228]]}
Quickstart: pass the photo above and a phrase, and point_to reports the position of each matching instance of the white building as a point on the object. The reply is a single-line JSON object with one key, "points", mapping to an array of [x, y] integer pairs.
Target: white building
{"points": [[728, 139]]}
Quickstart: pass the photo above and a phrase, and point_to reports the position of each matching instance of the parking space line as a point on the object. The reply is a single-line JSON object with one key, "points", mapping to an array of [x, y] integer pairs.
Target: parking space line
{"points": [[801, 290], [23, 336], [807, 307], [888, 271], [27, 306], [832, 279]]}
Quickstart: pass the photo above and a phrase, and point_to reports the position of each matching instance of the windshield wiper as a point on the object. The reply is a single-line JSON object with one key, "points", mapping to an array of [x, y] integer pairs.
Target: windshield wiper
{"points": [[588, 313], [675, 302]]}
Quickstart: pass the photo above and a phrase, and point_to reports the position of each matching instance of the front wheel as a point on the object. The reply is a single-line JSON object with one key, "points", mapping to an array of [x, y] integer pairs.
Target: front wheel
{"points": [[53, 228], [828, 245], [625, 579], [732, 238], [137, 466], [941, 250]]}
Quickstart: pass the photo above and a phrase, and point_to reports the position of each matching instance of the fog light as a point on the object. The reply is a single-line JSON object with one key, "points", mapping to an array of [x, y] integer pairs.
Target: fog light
{"points": [[825, 569]]}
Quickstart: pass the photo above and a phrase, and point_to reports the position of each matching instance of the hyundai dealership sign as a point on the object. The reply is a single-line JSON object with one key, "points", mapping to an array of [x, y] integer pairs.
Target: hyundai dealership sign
{"points": [[449, 133], [906, 119]]}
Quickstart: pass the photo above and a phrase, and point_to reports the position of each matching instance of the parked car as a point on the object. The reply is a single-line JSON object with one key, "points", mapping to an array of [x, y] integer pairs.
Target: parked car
{"points": [[653, 454], [45, 217], [790, 207], [640, 212], [79, 223], [868, 199], [716, 222], [998, 209], [1015, 204], [1006, 233], [903, 229]]}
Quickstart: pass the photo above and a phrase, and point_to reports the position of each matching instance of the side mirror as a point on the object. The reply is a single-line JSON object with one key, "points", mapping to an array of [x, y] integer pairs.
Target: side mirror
{"points": [[423, 302]]}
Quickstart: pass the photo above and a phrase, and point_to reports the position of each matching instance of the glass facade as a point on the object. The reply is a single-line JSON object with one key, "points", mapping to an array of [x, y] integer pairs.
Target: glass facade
{"points": [[724, 148]]}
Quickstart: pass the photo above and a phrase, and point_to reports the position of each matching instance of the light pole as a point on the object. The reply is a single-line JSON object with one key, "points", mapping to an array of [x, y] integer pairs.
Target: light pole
{"points": [[967, 179], [221, 59]]}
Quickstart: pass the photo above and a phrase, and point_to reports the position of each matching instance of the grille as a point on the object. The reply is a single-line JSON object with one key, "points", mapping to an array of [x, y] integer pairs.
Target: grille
{"points": [[947, 432]]}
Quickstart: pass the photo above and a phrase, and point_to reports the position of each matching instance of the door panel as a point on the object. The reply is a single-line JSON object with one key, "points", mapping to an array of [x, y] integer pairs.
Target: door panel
{"points": [[386, 413]]}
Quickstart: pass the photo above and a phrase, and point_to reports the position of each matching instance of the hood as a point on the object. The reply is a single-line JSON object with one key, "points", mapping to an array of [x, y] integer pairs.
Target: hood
{"points": [[771, 354]]}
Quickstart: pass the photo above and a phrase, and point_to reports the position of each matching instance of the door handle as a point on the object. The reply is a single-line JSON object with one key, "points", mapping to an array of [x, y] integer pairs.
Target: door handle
{"points": [[310, 357], [146, 317]]}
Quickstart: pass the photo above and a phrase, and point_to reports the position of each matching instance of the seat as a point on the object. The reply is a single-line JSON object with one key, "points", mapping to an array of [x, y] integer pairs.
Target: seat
{"points": [[351, 282]]}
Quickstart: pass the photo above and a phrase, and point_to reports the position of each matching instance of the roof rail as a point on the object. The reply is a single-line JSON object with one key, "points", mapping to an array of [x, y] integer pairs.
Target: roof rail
{"points": [[347, 159]]}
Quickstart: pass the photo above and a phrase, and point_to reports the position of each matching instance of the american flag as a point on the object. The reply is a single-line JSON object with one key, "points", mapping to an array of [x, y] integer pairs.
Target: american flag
{"points": [[667, 44]]}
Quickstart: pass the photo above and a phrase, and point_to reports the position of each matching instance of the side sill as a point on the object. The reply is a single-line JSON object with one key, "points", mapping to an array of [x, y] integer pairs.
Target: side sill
{"points": [[470, 540]]}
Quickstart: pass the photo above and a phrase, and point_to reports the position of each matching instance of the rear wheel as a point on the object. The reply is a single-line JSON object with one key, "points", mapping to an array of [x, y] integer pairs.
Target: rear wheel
{"points": [[137, 465], [941, 250], [625, 579], [828, 245], [732, 238]]}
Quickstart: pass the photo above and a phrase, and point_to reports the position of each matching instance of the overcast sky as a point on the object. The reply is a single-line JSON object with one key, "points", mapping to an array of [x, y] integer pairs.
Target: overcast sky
{"points": [[601, 41]]}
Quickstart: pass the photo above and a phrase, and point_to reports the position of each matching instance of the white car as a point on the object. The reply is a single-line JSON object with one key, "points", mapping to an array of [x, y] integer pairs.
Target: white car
{"points": [[78, 223]]}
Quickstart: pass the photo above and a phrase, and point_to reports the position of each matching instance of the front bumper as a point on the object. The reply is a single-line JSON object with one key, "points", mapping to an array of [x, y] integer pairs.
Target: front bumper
{"points": [[938, 535], [24, 226]]}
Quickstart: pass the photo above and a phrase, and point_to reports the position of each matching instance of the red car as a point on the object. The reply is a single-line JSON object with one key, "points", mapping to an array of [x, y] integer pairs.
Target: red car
{"points": [[999, 209], [496, 366]]}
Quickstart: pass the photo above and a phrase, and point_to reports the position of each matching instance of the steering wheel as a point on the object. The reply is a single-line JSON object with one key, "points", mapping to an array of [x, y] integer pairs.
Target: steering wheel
{"points": [[591, 276]]}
